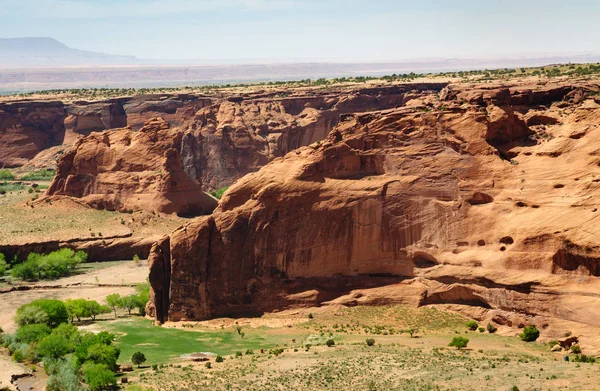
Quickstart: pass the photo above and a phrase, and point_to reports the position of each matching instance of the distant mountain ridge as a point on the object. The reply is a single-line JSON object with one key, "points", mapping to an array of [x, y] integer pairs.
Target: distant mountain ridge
{"points": [[45, 52]]}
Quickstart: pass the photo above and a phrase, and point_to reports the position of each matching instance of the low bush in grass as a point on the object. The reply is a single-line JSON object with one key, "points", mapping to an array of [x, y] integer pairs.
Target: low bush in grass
{"points": [[6, 175], [472, 325], [57, 264], [138, 358], [491, 328], [529, 334], [370, 342], [459, 342]]}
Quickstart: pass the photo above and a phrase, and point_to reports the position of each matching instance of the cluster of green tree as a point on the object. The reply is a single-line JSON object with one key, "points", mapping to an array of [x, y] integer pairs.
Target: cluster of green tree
{"points": [[69, 355], [39, 175], [137, 300], [81, 308], [59, 263]]}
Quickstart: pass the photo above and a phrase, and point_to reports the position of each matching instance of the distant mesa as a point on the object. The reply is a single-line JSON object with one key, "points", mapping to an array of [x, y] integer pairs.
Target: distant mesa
{"points": [[48, 52]]}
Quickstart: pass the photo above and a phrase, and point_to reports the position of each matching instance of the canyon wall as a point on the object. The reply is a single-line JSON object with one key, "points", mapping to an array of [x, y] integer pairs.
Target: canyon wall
{"points": [[200, 145], [483, 198], [45, 128]]}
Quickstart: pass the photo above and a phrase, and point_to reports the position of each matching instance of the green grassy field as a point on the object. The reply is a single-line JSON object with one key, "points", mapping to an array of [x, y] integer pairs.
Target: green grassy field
{"points": [[160, 344], [396, 362]]}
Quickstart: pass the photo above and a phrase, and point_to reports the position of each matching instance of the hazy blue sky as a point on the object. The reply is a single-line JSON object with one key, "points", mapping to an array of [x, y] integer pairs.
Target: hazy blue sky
{"points": [[310, 29]]}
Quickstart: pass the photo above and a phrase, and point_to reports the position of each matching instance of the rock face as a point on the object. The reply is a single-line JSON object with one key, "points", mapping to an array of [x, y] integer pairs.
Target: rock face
{"points": [[125, 170], [461, 203], [237, 135], [28, 128], [212, 144]]}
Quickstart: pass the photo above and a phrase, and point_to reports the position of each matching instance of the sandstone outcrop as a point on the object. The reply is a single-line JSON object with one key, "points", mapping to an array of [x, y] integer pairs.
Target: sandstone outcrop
{"points": [[28, 128], [462, 204], [213, 144], [125, 170]]}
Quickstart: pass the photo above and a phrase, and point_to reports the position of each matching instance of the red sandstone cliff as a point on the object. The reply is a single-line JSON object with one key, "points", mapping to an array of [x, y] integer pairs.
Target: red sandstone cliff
{"points": [[124, 170], [32, 128], [213, 144], [486, 202]]}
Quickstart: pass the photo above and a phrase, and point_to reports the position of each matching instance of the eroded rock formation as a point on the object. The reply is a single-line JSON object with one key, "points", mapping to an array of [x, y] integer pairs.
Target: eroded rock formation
{"points": [[212, 144], [458, 203], [32, 128], [125, 170]]}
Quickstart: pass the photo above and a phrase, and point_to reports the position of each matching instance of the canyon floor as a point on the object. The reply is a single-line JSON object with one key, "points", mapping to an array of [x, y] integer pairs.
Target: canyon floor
{"points": [[270, 352]]}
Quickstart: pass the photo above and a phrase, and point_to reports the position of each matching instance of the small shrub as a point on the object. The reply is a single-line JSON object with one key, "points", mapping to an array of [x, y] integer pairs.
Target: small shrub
{"points": [[238, 354], [6, 175], [330, 342], [585, 359], [459, 342], [310, 316], [481, 329], [491, 328], [18, 356], [370, 342], [208, 365], [3, 265], [472, 325], [219, 193], [575, 349], [529, 334], [219, 359]]}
